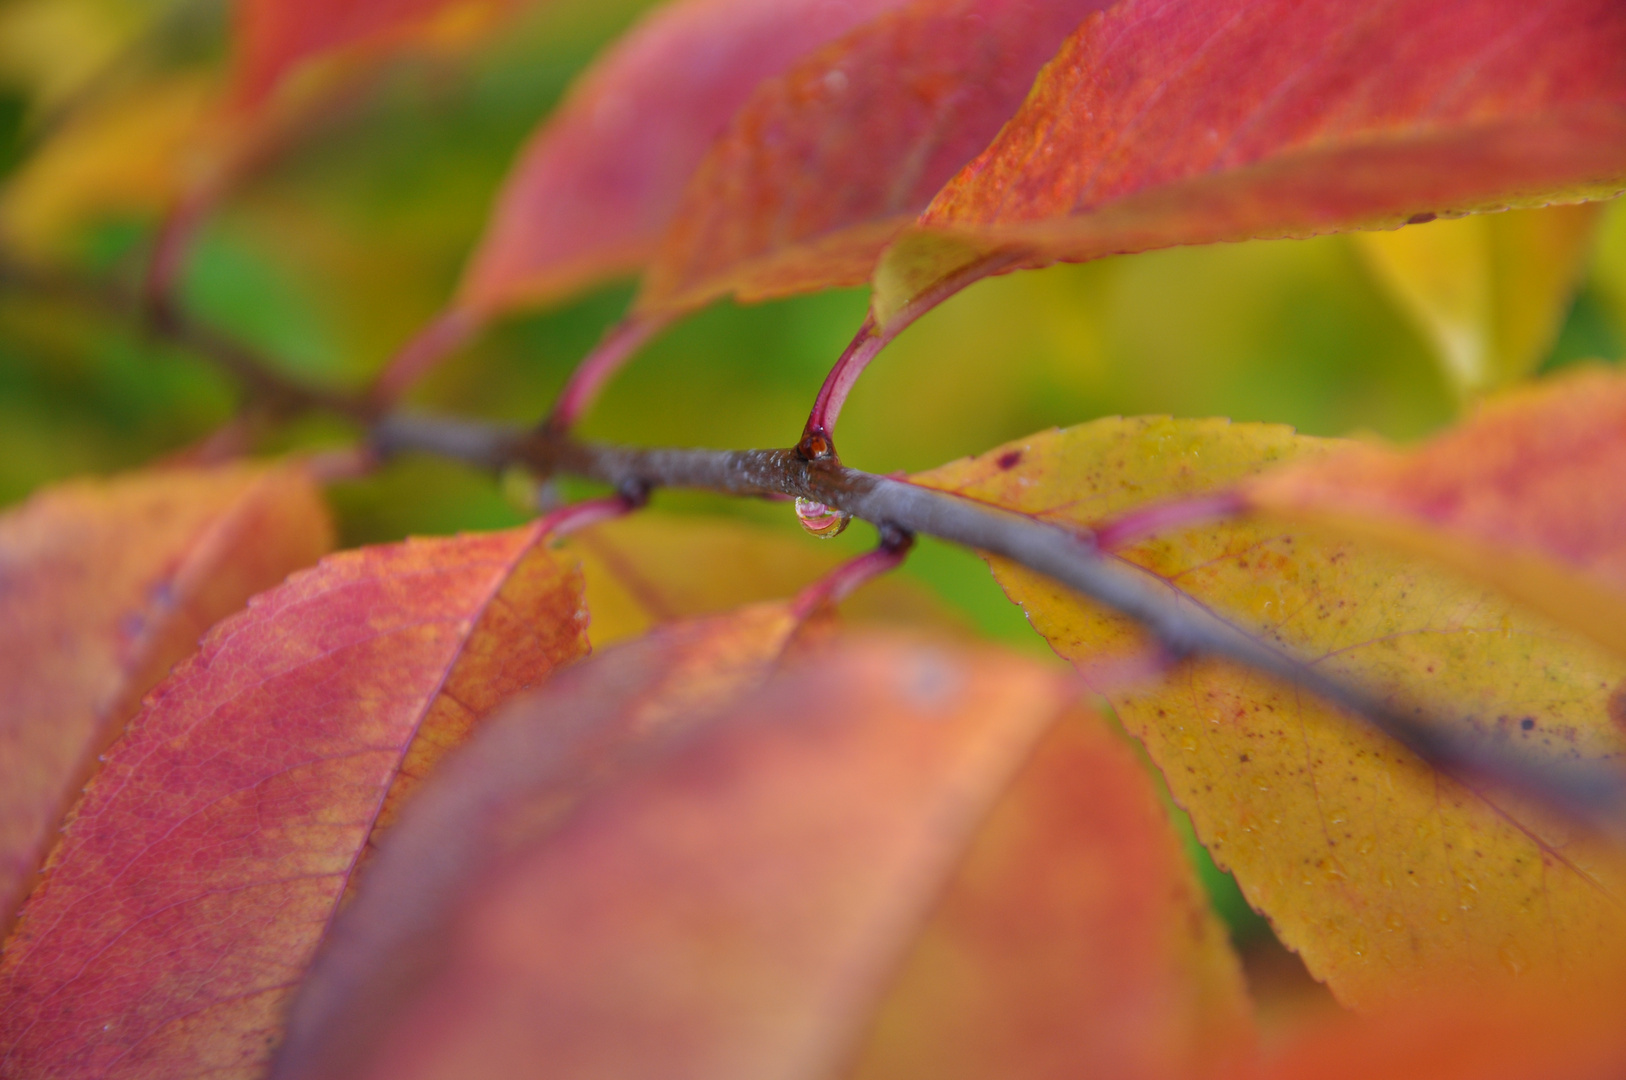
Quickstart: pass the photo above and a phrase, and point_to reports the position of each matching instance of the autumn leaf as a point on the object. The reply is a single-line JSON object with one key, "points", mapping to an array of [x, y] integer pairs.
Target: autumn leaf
{"points": [[1462, 1033], [828, 161], [203, 863], [795, 879], [1524, 495], [278, 42], [1378, 871], [596, 185], [1212, 120], [651, 568], [103, 586], [133, 156], [1490, 291]]}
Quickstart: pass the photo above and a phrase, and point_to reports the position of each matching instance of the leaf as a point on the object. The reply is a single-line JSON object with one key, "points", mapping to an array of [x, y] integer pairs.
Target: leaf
{"points": [[278, 42], [1490, 291], [103, 586], [1378, 871], [1196, 121], [596, 185], [735, 895], [204, 862], [828, 161], [1524, 495], [651, 568], [132, 156], [1463, 1033]]}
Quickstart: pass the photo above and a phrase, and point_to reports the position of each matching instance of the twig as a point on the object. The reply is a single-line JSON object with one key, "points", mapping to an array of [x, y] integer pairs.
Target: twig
{"points": [[1184, 627], [271, 388], [838, 584], [818, 435]]}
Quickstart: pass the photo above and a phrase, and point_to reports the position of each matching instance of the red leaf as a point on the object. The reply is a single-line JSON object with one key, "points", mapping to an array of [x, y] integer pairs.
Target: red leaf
{"points": [[276, 38], [1195, 121], [817, 874], [205, 860], [593, 190], [104, 585], [828, 161]]}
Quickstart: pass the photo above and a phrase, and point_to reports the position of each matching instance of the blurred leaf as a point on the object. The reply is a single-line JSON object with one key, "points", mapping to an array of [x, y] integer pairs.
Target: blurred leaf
{"points": [[283, 43], [130, 155], [199, 872], [1210, 120], [1489, 291], [1463, 1033], [103, 586], [651, 568], [733, 895], [1524, 495], [1376, 869], [827, 161], [597, 183]]}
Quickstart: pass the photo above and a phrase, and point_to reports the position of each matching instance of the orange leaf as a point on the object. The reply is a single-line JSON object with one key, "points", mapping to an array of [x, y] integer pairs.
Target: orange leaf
{"points": [[597, 184], [1462, 1033], [200, 869], [103, 586], [1526, 495], [907, 857], [1208, 120], [828, 161]]}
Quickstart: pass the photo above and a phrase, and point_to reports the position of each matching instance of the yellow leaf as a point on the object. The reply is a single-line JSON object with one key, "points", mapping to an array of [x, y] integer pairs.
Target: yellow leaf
{"points": [[651, 568], [133, 155], [1380, 872], [1488, 291]]}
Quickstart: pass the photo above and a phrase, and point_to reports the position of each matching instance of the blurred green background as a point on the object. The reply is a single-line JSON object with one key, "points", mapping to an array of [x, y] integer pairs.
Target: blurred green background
{"points": [[334, 256]]}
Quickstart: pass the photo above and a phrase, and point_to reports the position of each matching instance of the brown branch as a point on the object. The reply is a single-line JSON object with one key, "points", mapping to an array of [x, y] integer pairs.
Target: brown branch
{"points": [[269, 388], [1186, 628]]}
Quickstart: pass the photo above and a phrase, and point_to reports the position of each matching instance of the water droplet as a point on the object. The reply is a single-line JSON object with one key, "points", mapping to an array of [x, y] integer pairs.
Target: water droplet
{"points": [[1366, 846], [1394, 921], [1189, 744], [819, 519], [1513, 958]]}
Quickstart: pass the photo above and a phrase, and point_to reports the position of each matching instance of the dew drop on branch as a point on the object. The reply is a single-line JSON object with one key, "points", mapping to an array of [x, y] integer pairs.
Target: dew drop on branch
{"points": [[820, 520]]}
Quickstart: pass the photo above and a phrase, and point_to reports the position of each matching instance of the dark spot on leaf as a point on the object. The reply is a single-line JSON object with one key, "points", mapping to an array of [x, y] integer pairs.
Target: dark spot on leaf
{"points": [[1527, 723], [1009, 459], [1617, 705], [1420, 219], [1244, 757]]}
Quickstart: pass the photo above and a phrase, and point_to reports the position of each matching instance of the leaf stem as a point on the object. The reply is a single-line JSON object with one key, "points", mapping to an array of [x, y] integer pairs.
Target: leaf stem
{"points": [[443, 335], [609, 356], [818, 435], [1146, 521], [840, 583]]}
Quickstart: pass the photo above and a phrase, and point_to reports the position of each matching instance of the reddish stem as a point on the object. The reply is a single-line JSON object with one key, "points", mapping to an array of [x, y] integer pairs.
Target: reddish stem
{"points": [[838, 584], [608, 357], [1117, 673], [818, 435], [171, 246], [1160, 517], [576, 516], [422, 354]]}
